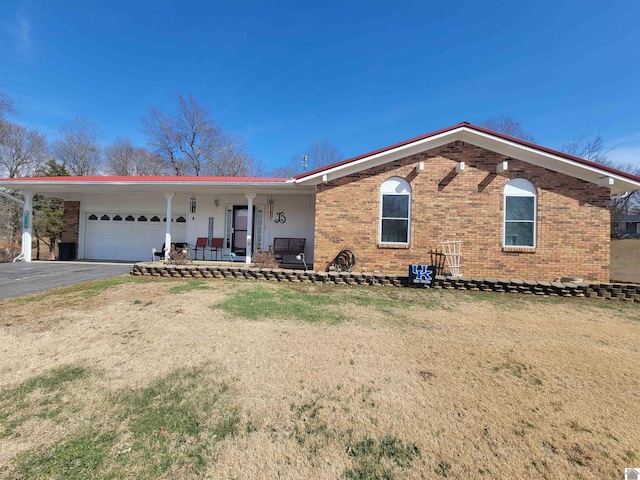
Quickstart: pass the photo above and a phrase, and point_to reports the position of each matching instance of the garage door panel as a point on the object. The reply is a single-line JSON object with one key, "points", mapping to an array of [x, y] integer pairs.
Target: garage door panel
{"points": [[123, 240]]}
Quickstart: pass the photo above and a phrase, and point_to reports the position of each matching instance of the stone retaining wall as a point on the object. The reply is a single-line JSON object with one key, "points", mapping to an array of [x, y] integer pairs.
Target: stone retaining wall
{"points": [[612, 291]]}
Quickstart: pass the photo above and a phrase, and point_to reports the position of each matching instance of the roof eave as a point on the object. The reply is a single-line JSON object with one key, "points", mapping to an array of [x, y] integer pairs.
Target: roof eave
{"points": [[380, 157], [552, 160], [510, 147], [75, 185]]}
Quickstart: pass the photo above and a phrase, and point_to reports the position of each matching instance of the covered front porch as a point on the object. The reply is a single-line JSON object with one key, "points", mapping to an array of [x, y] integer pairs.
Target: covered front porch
{"points": [[126, 219]]}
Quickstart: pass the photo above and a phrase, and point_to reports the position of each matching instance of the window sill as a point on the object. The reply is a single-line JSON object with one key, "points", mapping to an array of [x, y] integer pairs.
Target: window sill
{"points": [[519, 249], [397, 246]]}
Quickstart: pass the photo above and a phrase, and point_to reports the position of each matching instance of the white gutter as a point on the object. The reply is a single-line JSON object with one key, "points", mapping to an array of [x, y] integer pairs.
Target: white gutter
{"points": [[106, 181]]}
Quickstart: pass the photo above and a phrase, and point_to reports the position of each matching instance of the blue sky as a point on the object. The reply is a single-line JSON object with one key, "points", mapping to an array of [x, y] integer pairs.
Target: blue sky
{"points": [[362, 75]]}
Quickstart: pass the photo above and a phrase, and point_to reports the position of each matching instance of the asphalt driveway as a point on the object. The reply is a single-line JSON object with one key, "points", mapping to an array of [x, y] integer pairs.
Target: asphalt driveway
{"points": [[21, 278]]}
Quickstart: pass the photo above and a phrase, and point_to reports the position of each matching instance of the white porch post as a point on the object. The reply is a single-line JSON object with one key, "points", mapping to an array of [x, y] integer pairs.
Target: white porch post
{"points": [[250, 197], [167, 231], [27, 226]]}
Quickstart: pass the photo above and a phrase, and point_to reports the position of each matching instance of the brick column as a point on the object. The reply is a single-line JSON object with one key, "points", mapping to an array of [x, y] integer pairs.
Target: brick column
{"points": [[71, 222]]}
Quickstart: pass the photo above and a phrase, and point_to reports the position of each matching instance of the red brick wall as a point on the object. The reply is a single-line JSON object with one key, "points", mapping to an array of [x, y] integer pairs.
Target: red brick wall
{"points": [[572, 229], [70, 222]]}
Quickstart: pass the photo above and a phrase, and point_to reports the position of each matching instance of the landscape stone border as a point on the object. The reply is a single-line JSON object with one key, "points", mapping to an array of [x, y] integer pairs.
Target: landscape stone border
{"points": [[610, 291]]}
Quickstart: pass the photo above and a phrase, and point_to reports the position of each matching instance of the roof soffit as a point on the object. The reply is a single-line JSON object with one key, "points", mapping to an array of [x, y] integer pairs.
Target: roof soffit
{"points": [[546, 160], [381, 158], [503, 146]]}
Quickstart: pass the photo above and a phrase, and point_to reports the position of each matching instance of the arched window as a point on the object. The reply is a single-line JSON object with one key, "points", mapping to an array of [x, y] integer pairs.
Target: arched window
{"points": [[519, 213], [395, 211]]}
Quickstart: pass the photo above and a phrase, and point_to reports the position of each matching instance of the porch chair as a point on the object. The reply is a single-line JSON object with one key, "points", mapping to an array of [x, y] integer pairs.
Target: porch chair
{"points": [[201, 245], [437, 260], [216, 246], [159, 254]]}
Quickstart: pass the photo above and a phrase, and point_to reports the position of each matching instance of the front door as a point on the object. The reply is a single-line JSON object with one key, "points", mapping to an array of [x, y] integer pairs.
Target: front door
{"points": [[239, 236]]}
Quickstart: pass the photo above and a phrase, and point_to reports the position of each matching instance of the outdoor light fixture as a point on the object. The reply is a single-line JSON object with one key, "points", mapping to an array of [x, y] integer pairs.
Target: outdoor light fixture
{"points": [[192, 204], [215, 202], [300, 256], [270, 208]]}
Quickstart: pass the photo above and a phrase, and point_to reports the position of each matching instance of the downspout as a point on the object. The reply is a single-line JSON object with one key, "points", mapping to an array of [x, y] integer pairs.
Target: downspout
{"points": [[11, 197]]}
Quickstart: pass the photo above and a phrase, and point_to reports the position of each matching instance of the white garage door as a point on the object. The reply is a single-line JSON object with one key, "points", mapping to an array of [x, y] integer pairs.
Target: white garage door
{"points": [[128, 236]]}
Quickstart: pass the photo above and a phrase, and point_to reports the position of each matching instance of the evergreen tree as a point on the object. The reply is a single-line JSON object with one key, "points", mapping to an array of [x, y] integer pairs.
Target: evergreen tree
{"points": [[48, 211]]}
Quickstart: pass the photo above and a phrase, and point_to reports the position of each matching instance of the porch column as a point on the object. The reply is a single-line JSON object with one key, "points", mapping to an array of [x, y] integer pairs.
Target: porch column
{"points": [[250, 197], [167, 231], [27, 226]]}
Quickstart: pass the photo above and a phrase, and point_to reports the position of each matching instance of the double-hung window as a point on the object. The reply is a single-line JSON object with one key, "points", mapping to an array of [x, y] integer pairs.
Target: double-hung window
{"points": [[395, 211], [519, 214]]}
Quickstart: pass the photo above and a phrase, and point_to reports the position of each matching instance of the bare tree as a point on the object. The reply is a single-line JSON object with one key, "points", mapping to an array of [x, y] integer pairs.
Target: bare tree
{"points": [[7, 106], [509, 126], [233, 160], [22, 151], [317, 155], [122, 158], [192, 143], [48, 211], [595, 150], [9, 211], [78, 148]]}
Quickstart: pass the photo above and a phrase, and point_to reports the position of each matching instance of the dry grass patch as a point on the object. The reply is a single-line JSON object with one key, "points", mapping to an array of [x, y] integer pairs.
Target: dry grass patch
{"points": [[625, 260], [171, 378]]}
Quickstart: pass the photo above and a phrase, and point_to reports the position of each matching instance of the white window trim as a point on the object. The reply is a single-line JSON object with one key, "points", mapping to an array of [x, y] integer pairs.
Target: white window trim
{"points": [[394, 186], [519, 187], [259, 228]]}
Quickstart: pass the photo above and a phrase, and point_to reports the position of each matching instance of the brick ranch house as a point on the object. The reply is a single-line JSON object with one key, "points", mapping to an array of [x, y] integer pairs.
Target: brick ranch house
{"points": [[520, 209]]}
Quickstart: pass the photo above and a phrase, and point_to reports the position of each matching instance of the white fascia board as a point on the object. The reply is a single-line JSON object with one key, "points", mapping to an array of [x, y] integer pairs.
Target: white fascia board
{"points": [[381, 158], [106, 181], [490, 142], [546, 160]]}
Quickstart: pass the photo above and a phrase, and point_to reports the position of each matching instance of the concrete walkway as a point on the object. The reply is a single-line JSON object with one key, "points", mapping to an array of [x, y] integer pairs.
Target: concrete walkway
{"points": [[21, 278]]}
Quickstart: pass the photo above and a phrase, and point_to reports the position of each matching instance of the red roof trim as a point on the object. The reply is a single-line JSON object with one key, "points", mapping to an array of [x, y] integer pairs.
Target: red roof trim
{"points": [[479, 129]]}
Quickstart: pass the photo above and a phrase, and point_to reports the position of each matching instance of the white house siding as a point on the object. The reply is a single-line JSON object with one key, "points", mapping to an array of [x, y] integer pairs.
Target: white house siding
{"points": [[132, 241], [299, 211]]}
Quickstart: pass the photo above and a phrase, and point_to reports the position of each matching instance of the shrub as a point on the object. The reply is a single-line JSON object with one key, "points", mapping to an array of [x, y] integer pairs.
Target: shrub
{"points": [[265, 260], [179, 257]]}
